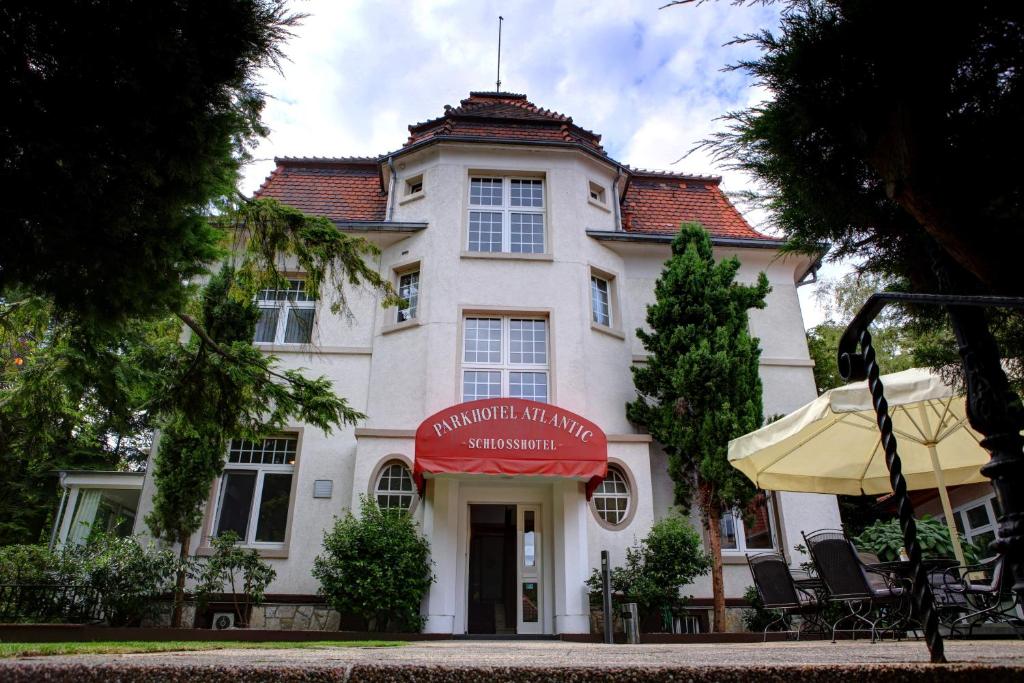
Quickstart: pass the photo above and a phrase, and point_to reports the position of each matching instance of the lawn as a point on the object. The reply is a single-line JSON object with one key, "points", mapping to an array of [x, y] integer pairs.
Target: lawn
{"points": [[129, 646]]}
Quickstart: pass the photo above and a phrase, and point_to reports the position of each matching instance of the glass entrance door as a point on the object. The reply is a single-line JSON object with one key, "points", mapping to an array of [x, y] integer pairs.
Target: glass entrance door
{"points": [[528, 554]]}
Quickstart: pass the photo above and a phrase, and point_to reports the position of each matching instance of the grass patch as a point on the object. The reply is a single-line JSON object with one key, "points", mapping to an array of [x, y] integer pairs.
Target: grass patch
{"points": [[130, 646]]}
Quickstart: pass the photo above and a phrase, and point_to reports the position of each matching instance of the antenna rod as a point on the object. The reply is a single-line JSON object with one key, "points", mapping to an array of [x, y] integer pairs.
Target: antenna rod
{"points": [[498, 85]]}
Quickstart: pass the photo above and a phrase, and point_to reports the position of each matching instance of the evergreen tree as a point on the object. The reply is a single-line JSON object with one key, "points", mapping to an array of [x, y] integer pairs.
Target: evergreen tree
{"points": [[700, 386]]}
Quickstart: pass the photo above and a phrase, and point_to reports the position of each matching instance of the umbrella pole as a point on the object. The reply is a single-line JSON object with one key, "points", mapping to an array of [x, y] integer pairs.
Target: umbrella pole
{"points": [[947, 509]]}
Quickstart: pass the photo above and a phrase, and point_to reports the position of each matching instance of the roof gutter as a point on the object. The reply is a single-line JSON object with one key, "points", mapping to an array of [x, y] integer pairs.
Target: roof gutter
{"points": [[476, 139], [646, 238]]}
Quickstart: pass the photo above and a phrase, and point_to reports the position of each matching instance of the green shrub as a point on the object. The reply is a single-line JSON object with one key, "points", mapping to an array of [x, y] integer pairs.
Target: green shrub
{"points": [[377, 567], [127, 576], [885, 540], [757, 618], [669, 557], [35, 564], [237, 571]]}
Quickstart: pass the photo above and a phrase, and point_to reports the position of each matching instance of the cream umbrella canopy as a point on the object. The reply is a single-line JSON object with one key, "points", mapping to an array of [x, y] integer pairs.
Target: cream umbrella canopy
{"points": [[832, 444]]}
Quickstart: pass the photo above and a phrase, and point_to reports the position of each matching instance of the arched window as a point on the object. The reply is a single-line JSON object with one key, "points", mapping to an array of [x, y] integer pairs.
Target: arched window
{"points": [[394, 489], [612, 498]]}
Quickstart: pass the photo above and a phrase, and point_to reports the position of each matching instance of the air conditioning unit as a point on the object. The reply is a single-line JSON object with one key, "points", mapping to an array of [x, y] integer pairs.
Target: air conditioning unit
{"points": [[223, 620]]}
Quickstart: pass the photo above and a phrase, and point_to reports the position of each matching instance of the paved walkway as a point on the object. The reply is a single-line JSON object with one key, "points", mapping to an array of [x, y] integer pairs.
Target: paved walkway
{"points": [[561, 654]]}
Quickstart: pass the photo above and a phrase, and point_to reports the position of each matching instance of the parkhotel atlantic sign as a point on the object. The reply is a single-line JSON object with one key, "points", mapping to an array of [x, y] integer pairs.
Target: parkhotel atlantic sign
{"points": [[510, 436]]}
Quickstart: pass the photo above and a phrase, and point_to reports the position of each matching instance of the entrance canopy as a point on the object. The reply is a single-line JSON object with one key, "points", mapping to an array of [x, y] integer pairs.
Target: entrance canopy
{"points": [[512, 437]]}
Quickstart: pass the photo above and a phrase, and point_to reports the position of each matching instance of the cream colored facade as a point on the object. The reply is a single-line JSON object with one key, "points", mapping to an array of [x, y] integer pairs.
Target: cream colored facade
{"points": [[400, 373]]}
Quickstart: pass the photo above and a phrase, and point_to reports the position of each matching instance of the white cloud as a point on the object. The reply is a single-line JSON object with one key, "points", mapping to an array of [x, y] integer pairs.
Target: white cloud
{"points": [[649, 80]]}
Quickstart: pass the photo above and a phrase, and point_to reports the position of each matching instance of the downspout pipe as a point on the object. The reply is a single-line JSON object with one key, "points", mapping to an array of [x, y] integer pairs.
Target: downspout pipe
{"points": [[615, 197], [391, 187]]}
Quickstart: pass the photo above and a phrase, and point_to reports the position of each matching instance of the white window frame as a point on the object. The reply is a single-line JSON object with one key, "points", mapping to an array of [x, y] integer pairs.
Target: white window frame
{"points": [[506, 210], [608, 303], [597, 194], [969, 532], [741, 532], [630, 497], [411, 312], [505, 365], [378, 491], [284, 306], [261, 469]]}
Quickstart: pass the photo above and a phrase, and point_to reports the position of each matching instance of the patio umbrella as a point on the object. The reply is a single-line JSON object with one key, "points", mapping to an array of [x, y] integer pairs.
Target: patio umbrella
{"points": [[832, 444]]}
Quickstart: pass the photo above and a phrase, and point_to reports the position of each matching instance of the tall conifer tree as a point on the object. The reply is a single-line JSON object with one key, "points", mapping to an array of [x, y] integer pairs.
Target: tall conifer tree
{"points": [[700, 386]]}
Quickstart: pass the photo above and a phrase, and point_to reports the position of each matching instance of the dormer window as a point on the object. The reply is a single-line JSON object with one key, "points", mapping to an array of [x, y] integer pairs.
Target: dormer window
{"points": [[506, 215]]}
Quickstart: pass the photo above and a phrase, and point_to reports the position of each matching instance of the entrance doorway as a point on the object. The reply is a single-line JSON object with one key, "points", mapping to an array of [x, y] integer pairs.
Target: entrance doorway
{"points": [[504, 570], [492, 569]]}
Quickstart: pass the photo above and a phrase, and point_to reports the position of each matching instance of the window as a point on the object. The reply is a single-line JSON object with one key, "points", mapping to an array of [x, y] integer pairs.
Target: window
{"points": [[506, 215], [394, 489], [596, 193], [286, 315], [976, 521], [756, 532], [505, 356], [612, 497], [409, 289], [600, 301], [255, 489], [414, 185]]}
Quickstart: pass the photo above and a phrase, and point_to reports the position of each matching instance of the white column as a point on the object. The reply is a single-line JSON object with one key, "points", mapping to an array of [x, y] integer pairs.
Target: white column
{"points": [[69, 513], [572, 604], [441, 526]]}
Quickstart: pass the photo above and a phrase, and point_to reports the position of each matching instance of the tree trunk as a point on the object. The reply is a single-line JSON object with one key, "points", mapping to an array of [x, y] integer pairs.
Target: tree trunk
{"points": [[179, 584], [712, 522]]}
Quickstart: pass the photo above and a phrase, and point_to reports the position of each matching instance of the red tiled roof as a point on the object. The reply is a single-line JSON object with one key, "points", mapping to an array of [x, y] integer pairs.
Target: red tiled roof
{"points": [[342, 189], [348, 188], [504, 116], [656, 203]]}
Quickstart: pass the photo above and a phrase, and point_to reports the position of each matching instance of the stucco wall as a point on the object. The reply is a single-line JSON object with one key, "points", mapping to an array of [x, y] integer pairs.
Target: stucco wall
{"points": [[399, 375]]}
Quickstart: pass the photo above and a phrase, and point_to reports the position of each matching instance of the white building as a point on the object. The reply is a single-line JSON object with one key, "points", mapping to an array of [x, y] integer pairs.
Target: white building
{"points": [[528, 257]]}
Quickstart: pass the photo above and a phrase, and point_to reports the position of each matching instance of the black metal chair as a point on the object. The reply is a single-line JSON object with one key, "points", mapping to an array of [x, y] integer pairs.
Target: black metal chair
{"points": [[778, 591], [871, 596], [980, 594]]}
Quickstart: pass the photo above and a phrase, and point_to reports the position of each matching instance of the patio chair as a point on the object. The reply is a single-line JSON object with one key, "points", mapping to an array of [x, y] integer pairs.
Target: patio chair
{"points": [[778, 591], [981, 595], [872, 596]]}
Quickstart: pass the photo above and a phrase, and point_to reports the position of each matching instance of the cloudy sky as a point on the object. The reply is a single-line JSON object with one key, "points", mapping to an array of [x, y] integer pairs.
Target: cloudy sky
{"points": [[649, 80]]}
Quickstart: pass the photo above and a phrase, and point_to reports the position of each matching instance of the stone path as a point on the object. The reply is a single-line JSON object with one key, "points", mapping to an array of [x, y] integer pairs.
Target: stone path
{"points": [[549, 660], [557, 653]]}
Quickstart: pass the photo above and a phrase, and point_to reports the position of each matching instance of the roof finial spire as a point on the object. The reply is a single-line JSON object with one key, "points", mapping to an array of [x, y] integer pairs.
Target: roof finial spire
{"points": [[497, 87]]}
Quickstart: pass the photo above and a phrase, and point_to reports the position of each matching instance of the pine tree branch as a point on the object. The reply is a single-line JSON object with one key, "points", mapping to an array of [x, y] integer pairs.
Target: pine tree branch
{"points": [[216, 348]]}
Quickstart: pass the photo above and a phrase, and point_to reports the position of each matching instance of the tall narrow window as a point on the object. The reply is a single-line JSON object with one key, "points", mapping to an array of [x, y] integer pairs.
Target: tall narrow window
{"points": [[506, 215], [286, 315], [255, 489], [505, 356], [600, 301], [409, 289], [751, 531]]}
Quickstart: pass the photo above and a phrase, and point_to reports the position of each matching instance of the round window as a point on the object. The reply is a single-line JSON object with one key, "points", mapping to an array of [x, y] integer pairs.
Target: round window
{"points": [[612, 497], [394, 489]]}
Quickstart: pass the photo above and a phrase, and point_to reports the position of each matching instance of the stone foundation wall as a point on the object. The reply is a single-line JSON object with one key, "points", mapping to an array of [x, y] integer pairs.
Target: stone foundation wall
{"points": [[295, 617], [271, 616]]}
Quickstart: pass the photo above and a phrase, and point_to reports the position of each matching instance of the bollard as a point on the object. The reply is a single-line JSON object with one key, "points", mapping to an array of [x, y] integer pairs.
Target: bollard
{"points": [[606, 594], [631, 622]]}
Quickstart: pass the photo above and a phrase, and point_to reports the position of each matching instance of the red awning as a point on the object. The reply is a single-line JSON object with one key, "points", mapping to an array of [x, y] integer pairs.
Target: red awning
{"points": [[511, 436]]}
